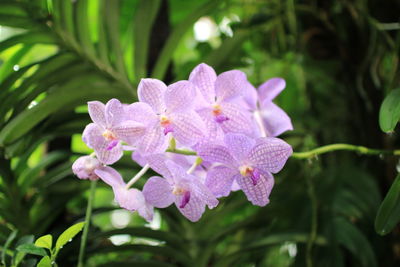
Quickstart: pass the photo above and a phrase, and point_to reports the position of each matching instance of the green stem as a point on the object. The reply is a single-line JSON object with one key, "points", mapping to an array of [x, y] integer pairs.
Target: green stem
{"points": [[87, 223], [317, 151], [344, 147], [314, 222], [182, 151]]}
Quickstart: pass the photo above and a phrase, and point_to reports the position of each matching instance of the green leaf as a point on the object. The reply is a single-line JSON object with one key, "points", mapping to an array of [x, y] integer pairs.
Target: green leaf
{"points": [[44, 262], [389, 113], [9, 240], [32, 249], [166, 53], [68, 96], [144, 20], [31, 37], [45, 241], [389, 211], [68, 234], [349, 236]]}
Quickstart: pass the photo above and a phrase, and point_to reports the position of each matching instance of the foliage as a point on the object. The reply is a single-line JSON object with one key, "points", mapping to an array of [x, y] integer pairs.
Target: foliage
{"points": [[339, 59]]}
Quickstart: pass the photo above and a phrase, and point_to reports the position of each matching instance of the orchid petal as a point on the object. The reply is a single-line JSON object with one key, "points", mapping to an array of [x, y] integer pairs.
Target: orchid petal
{"points": [[114, 112], [92, 135], [275, 120], [180, 96], [109, 154], [154, 141], [239, 120], [239, 145], [129, 131], [219, 180], [202, 192], [188, 127], [84, 167], [214, 132], [192, 209], [270, 154], [110, 176], [97, 112], [158, 192], [271, 88], [151, 91], [230, 84], [257, 194], [141, 112], [204, 76], [216, 153]]}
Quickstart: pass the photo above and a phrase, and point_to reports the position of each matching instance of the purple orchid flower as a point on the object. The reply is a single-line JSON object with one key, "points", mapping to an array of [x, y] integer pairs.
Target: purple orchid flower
{"points": [[110, 127], [271, 119], [247, 161], [216, 103], [166, 110], [188, 193], [85, 166], [129, 199]]}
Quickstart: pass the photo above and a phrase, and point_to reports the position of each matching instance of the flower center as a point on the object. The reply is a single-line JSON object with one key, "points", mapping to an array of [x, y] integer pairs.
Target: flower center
{"points": [[177, 191], [108, 135], [247, 171], [166, 124], [218, 114]]}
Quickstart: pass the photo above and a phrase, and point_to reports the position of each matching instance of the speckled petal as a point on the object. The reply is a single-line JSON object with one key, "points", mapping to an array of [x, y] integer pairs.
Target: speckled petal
{"points": [[158, 192], [108, 154], [230, 84], [271, 88], [114, 112], [239, 120], [141, 112], [151, 91], [180, 96], [219, 180], [257, 194], [275, 120], [239, 145], [216, 153], [92, 135], [129, 131], [110, 176], [200, 190], [188, 127], [97, 112], [270, 154], [154, 141], [214, 132], [204, 76], [193, 209]]}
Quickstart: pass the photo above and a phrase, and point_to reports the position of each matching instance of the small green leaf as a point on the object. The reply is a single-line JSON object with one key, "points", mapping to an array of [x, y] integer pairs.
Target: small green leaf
{"points": [[45, 241], [389, 211], [44, 262], [389, 113], [32, 249], [68, 234]]}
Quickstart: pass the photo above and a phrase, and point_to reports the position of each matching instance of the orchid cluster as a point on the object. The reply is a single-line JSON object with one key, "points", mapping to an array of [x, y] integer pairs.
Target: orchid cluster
{"points": [[205, 137]]}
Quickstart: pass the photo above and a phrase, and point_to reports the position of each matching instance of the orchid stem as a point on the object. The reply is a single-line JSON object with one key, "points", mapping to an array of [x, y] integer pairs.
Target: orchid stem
{"points": [[138, 175], [318, 151], [87, 223], [343, 147], [195, 164]]}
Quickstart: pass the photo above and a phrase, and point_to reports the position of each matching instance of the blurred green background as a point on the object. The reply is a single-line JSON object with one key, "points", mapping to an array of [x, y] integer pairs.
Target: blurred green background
{"points": [[339, 59]]}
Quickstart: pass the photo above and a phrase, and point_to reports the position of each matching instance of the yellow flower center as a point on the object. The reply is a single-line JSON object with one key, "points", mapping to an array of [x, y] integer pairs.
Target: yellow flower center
{"points": [[216, 110], [178, 191], [245, 170], [108, 135], [164, 120]]}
